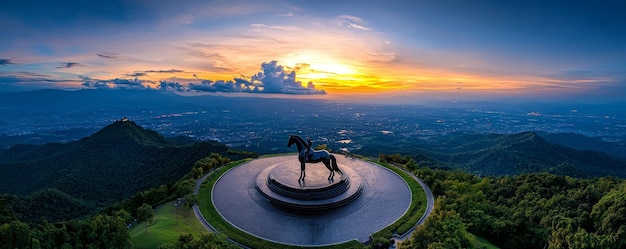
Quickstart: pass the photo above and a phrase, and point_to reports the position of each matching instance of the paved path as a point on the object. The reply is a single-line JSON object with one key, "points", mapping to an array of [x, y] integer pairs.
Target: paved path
{"points": [[430, 204], [196, 210]]}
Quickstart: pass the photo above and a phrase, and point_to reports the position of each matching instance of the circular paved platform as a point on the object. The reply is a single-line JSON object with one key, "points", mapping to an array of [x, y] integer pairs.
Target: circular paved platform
{"points": [[385, 197]]}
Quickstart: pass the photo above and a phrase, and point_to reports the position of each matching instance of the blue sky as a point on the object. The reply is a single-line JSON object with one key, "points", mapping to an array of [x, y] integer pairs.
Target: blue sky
{"points": [[413, 49]]}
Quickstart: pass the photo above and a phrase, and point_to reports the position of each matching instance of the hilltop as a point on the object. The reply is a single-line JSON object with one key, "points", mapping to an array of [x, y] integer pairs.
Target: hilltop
{"points": [[111, 165]]}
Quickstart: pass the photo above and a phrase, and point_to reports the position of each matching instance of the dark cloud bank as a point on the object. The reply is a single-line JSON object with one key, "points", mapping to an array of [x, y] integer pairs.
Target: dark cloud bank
{"points": [[273, 78], [70, 65], [6, 62]]}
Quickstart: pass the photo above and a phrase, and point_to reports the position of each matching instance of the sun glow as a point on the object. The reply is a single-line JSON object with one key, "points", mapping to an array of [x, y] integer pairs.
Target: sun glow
{"points": [[346, 74], [312, 65]]}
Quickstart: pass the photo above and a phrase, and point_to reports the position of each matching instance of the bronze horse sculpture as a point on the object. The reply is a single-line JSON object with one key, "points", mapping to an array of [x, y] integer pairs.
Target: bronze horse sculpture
{"points": [[313, 156]]}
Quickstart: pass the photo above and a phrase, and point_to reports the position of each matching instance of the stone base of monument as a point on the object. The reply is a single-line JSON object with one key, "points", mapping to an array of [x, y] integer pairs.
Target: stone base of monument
{"points": [[279, 184]]}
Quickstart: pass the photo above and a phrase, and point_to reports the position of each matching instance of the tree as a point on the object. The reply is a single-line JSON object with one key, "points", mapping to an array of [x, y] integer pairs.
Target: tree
{"points": [[106, 231], [609, 215], [322, 147], [122, 214], [443, 229], [15, 234], [211, 240], [145, 213], [206, 241], [185, 241], [411, 164], [190, 200], [185, 187]]}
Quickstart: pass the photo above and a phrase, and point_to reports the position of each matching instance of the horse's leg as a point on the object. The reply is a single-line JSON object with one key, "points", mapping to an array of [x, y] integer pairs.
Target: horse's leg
{"points": [[334, 163], [327, 164], [302, 171]]}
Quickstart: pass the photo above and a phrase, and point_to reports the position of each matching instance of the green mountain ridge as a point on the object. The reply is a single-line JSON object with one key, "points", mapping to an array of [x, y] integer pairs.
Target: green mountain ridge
{"points": [[582, 142], [502, 154], [112, 164]]}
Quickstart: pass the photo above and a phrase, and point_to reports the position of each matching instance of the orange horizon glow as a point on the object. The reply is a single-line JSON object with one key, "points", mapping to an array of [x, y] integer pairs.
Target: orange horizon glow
{"points": [[356, 76]]}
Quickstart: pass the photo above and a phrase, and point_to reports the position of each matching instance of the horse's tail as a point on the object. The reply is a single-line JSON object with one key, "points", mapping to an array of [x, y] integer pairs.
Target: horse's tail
{"points": [[334, 164]]}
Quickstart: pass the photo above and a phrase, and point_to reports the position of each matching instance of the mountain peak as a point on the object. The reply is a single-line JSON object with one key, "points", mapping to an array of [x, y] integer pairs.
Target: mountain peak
{"points": [[126, 130]]}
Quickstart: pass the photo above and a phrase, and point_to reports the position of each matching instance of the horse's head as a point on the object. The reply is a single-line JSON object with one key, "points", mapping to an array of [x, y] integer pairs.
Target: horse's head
{"points": [[292, 140]]}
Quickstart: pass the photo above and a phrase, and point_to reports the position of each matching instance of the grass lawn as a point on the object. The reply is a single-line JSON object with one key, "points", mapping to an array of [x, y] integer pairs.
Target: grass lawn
{"points": [[164, 228], [415, 211], [479, 242]]}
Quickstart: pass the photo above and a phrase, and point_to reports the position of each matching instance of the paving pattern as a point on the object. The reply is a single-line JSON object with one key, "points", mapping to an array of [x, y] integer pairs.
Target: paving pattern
{"points": [[385, 198]]}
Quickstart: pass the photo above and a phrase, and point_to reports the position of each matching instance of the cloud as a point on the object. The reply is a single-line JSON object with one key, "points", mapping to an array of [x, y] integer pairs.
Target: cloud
{"points": [[107, 55], [306, 67], [350, 18], [116, 83], [71, 64], [352, 22], [96, 84], [24, 77], [29, 80], [219, 86], [165, 71], [357, 26], [288, 14], [6, 62], [136, 74], [171, 86], [273, 78], [144, 73], [133, 82], [260, 26], [590, 83]]}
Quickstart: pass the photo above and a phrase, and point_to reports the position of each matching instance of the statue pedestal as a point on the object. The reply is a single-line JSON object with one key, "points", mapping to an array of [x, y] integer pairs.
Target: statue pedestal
{"points": [[279, 184]]}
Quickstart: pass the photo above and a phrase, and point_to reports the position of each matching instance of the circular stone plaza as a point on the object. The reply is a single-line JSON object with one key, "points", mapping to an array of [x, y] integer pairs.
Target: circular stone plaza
{"points": [[264, 198]]}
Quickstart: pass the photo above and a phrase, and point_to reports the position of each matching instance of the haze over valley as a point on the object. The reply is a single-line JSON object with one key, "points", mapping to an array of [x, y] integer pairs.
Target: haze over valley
{"points": [[262, 124]]}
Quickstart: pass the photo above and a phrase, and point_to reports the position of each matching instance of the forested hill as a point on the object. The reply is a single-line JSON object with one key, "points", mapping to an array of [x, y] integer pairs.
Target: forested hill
{"points": [[112, 164], [582, 142], [502, 154]]}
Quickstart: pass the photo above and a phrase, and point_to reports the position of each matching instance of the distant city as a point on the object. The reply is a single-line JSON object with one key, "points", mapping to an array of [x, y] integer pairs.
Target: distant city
{"points": [[263, 125]]}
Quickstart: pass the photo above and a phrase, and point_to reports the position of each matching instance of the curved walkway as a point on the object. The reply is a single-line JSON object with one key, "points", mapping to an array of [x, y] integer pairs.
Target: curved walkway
{"points": [[196, 210], [430, 204]]}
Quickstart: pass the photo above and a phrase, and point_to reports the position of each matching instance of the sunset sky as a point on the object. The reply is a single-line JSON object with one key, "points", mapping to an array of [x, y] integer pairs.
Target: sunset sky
{"points": [[544, 49]]}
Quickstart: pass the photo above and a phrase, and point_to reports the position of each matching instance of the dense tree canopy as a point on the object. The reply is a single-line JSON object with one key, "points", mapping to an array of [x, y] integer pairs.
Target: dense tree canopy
{"points": [[71, 180], [524, 211], [499, 154], [24, 223]]}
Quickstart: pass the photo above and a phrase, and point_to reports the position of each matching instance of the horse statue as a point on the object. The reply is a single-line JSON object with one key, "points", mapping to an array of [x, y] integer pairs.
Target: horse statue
{"points": [[306, 155]]}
